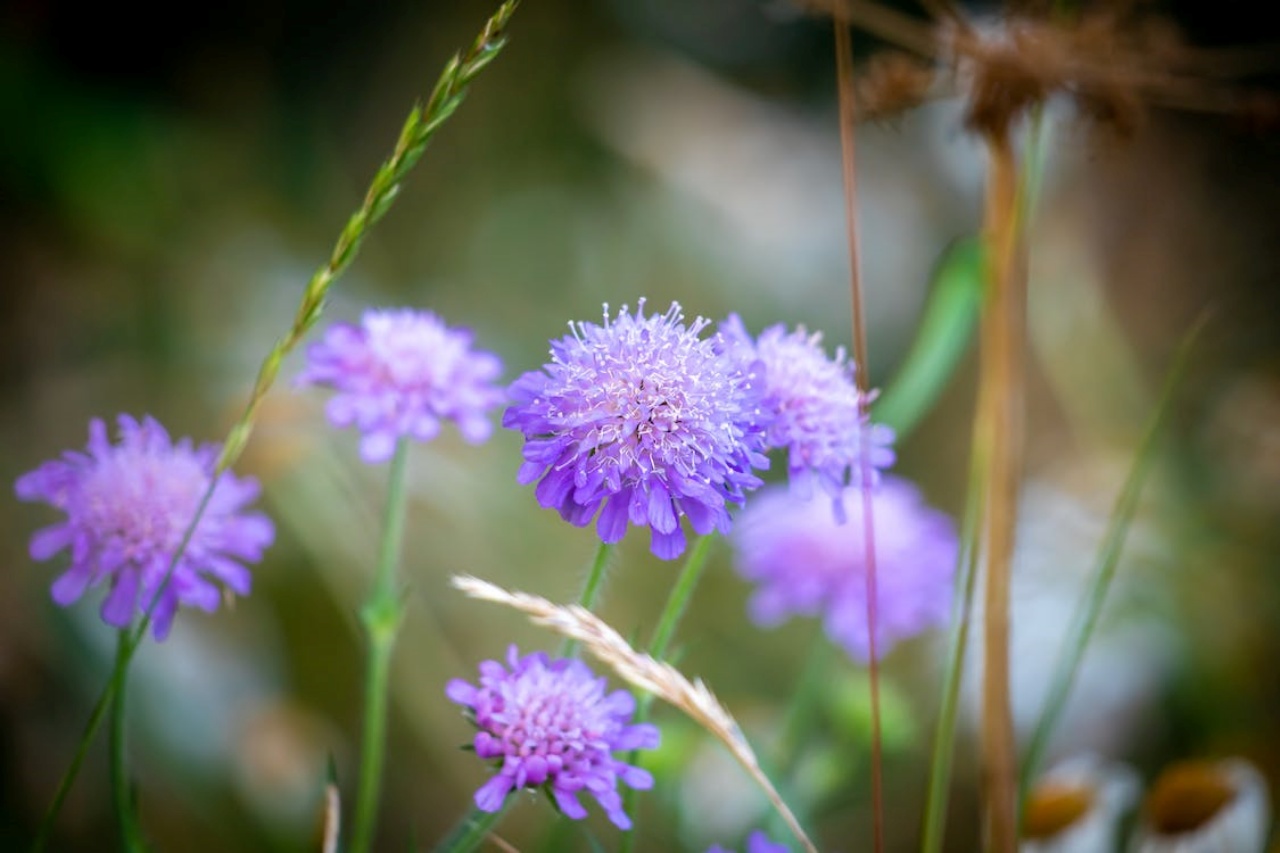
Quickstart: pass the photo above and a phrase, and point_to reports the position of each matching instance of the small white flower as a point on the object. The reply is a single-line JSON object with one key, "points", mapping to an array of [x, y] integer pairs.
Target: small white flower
{"points": [[1205, 807], [1077, 806]]}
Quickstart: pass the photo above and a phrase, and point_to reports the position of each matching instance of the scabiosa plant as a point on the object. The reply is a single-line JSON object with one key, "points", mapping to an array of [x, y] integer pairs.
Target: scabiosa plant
{"points": [[401, 372], [815, 410], [128, 506], [804, 562], [644, 421], [552, 725]]}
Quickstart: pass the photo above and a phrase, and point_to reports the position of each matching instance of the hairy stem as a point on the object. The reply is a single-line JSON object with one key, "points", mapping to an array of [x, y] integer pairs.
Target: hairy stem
{"points": [[591, 590], [681, 593], [381, 616], [668, 621], [472, 830]]}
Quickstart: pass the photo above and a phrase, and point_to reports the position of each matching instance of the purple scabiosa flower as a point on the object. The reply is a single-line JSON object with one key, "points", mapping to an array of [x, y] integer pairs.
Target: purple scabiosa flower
{"points": [[757, 842], [127, 507], [805, 563], [552, 724], [400, 373], [814, 407], [644, 421]]}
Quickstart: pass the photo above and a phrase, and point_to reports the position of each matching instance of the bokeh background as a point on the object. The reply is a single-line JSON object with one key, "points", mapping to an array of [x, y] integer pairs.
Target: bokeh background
{"points": [[168, 182]]}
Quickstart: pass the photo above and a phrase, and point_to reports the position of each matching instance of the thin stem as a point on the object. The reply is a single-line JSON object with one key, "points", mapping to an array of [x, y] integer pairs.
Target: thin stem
{"points": [[678, 599], [381, 616], [1001, 399], [799, 718], [798, 722], [121, 789], [966, 583], [668, 621], [1086, 616], [471, 832], [73, 769], [139, 633], [591, 590], [848, 115], [967, 563]]}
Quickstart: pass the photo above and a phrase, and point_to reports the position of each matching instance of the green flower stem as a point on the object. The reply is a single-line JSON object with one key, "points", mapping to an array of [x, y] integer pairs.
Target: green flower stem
{"points": [[802, 708], [121, 788], [678, 600], [419, 128], [106, 699], [591, 590], [476, 826], [381, 616], [69, 776], [471, 832], [1086, 616], [668, 621], [966, 585]]}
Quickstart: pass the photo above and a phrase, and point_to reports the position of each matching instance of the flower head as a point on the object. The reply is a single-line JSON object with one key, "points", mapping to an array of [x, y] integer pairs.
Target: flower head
{"points": [[128, 506], [552, 724], [643, 421], [401, 373], [757, 842], [806, 563], [815, 409]]}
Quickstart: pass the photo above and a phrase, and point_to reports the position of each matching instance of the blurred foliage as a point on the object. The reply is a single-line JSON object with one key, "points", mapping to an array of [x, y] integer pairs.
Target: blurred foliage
{"points": [[167, 187]]}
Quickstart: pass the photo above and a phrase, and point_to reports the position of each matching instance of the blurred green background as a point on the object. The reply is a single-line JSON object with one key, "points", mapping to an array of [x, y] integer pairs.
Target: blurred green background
{"points": [[168, 183]]}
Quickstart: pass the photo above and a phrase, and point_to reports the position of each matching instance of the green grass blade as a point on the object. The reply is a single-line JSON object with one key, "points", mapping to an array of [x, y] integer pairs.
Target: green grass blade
{"points": [[946, 330], [1086, 617]]}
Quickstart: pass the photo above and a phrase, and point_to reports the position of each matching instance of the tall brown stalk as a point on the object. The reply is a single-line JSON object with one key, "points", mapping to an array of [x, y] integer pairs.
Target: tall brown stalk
{"points": [[848, 116], [1000, 425], [1110, 61]]}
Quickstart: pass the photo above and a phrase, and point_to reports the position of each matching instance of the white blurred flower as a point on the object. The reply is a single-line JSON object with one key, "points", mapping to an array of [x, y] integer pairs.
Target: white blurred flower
{"points": [[1205, 807], [1113, 701], [1077, 807]]}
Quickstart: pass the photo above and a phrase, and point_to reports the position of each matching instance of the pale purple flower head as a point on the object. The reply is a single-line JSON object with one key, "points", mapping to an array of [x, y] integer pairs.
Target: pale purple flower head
{"points": [[643, 421], [805, 563], [815, 409], [757, 842], [550, 724], [402, 372], [127, 507]]}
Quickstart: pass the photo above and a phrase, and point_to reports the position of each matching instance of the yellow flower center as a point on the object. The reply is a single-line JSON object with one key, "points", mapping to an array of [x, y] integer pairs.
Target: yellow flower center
{"points": [[1054, 806], [1187, 796]]}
